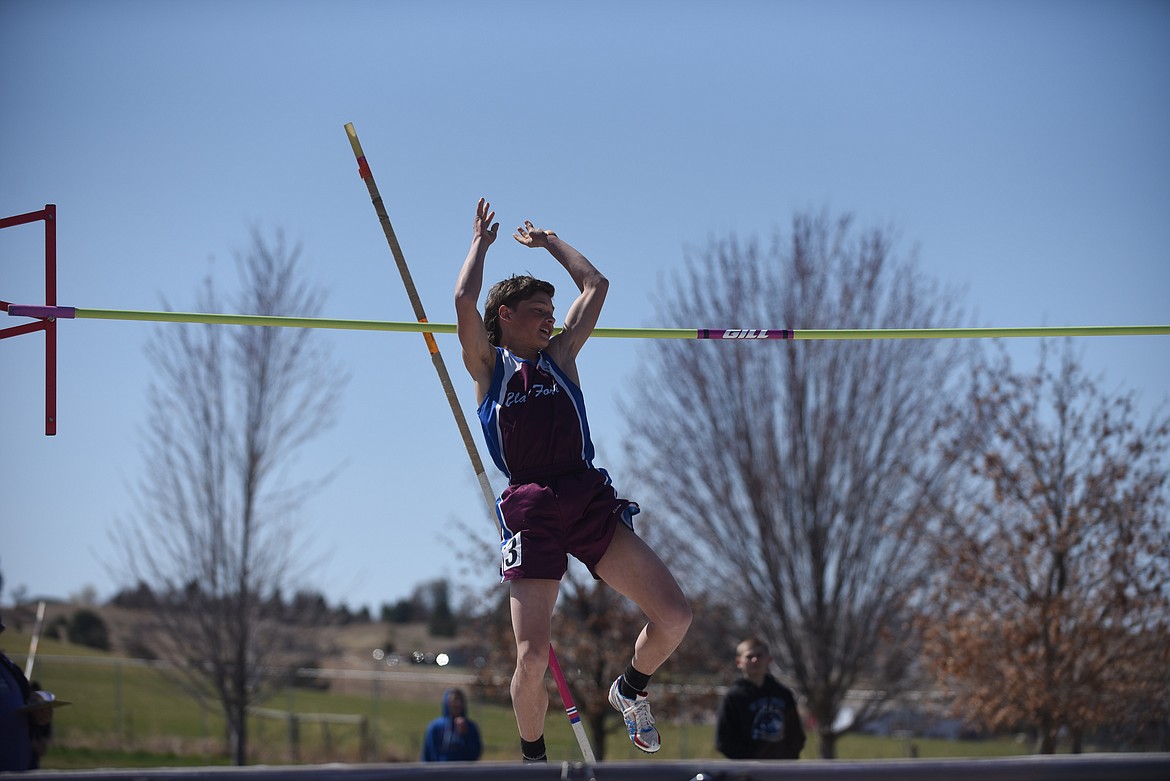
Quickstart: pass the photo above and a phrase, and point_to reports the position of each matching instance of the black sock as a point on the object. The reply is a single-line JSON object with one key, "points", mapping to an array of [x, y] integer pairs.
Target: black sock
{"points": [[533, 750], [633, 682]]}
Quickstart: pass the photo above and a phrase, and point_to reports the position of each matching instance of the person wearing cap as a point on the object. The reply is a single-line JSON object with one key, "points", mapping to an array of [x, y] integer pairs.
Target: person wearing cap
{"points": [[21, 722]]}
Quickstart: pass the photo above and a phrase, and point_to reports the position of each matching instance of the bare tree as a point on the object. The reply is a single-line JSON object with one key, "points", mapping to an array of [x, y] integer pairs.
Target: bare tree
{"points": [[1051, 609], [214, 535], [804, 472]]}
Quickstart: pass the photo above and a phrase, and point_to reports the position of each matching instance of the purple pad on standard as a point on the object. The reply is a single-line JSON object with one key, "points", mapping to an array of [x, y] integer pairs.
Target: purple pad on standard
{"points": [[43, 312]]}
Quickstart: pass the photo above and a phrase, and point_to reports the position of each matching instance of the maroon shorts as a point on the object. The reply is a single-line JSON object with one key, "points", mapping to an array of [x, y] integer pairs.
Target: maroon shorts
{"points": [[547, 520]]}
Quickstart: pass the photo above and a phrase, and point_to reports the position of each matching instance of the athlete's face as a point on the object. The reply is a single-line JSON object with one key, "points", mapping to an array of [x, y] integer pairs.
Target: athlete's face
{"points": [[528, 326]]}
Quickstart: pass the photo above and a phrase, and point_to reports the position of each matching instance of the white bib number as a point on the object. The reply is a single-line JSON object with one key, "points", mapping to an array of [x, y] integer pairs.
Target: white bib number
{"points": [[510, 552]]}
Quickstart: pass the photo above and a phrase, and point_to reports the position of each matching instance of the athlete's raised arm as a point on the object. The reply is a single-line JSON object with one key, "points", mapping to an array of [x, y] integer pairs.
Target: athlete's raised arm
{"points": [[478, 354], [582, 316]]}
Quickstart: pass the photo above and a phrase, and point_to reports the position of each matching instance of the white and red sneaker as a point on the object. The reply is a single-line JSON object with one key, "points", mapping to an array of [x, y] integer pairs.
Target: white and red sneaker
{"points": [[639, 720]]}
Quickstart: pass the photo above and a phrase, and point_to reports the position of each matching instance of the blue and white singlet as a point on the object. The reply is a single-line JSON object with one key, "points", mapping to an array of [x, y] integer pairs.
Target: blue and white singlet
{"points": [[533, 419]]}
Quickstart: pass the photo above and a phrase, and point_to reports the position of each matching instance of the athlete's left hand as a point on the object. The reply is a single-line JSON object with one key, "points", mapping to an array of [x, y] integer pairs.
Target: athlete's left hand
{"points": [[531, 236]]}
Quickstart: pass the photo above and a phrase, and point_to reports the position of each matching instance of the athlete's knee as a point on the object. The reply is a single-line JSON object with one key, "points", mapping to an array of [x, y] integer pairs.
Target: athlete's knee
{"points": [[531, 662], [676, 617]]}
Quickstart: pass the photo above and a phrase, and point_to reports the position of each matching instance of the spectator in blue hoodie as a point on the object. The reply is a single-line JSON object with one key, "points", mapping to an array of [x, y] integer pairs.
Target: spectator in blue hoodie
{"points": [[452, 737]]}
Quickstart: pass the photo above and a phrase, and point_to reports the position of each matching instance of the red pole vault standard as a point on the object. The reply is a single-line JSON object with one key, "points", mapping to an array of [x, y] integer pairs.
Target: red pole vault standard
{"points": [[47, 324]]}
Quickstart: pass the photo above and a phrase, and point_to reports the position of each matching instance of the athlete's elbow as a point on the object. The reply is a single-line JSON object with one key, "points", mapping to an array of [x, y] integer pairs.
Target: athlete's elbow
{"points": [[598, 283], [466, 301]]}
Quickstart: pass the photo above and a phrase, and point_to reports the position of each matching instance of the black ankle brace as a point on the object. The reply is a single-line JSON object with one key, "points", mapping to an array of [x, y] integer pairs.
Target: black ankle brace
{"points": [[633, 682], [533, 750]]}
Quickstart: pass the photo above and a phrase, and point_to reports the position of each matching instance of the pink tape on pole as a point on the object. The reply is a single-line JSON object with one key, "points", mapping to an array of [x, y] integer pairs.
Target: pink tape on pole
{"points": [[563, 687]]}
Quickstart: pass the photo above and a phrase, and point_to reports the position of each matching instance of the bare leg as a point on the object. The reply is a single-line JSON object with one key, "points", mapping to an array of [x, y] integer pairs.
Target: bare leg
{"points": [[634, 570], [532, 603]]}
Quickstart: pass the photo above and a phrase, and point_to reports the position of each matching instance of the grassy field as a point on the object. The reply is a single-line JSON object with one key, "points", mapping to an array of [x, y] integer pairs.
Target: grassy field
{"points": [[126, 714]]}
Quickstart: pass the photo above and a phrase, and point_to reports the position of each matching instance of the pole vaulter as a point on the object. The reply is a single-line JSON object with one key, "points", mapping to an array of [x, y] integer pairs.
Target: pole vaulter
{"points": [[456, 411]]}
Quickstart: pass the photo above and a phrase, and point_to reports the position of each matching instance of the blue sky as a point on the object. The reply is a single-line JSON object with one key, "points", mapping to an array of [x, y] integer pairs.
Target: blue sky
{"points": [[1020, 148]]}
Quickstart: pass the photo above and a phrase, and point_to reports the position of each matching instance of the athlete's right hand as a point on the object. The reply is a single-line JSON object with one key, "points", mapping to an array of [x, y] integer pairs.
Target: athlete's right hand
{"points": [[483, 228]]}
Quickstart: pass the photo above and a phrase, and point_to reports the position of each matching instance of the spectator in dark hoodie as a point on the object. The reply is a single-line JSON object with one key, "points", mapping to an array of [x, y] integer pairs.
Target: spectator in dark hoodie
{"points": [[758, 718], [452, 737], [23, 726]]}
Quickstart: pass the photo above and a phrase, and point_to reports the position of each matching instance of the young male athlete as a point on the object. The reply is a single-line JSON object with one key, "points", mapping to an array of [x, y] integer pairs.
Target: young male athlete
{"points": [[556, 503]]}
